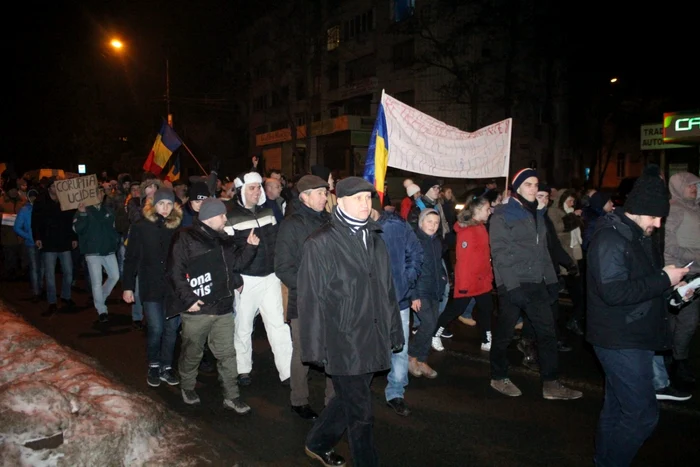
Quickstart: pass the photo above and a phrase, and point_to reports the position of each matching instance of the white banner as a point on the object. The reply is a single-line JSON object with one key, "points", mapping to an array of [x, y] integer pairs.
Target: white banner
{"points": [[422, 144]]}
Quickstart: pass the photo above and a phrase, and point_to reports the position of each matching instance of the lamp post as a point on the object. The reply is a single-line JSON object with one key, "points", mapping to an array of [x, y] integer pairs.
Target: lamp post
{"points": [[118, 45]]}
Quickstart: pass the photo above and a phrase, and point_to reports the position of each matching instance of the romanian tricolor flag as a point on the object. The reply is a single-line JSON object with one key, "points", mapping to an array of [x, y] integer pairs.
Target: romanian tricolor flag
{"points": [[378, 153], [174, 172], [166, 143]]}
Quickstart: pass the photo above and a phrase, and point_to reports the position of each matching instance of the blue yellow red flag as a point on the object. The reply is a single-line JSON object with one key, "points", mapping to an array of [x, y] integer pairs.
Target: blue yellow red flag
{"points": [[378, 153], [167, 142], [174, 172]]}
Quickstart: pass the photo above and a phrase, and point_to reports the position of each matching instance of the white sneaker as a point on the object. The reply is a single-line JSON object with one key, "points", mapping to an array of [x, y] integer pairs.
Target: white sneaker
{"points": [[486, 346], [437, 344]]}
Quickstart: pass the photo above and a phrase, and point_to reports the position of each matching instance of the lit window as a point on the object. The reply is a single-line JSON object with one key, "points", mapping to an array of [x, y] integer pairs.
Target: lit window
{"points": [[333, 37]]}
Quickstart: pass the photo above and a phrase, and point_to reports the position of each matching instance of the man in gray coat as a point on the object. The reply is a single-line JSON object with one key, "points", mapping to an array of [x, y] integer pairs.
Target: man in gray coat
{"points": [[526, 283]]}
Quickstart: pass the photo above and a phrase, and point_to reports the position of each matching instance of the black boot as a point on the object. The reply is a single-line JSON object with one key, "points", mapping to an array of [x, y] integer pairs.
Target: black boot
{"points": [[682, 372]]}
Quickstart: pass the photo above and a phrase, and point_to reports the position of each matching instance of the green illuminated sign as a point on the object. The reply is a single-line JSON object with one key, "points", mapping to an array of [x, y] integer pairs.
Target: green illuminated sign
{"points": [[682, 127]]}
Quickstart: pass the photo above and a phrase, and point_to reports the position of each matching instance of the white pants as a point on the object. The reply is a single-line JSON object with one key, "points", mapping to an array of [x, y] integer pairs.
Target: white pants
{"points": [[264, 294]]}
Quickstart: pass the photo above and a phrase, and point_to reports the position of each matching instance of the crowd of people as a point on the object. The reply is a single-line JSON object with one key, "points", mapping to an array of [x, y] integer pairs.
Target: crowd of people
{"points": [[351, 284]]}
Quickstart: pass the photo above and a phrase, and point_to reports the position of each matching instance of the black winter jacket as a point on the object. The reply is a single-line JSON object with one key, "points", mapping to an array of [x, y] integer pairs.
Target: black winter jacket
{"points": [[627, 287], [240, 222], [204, 265], [147, 252], [52, 226], [293, 232], [433, 277], [348, 314]]}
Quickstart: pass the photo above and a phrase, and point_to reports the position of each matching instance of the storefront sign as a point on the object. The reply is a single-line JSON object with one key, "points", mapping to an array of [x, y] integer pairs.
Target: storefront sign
{"points": [[682, 127], [652, 138]]}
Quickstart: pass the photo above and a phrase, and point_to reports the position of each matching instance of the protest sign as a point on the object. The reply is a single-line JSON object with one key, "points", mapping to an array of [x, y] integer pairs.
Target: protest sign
{"points": [[73, 191]]}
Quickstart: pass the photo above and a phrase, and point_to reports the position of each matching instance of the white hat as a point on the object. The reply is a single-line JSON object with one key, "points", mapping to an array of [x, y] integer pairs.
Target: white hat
{"points": [[408, 182], [412, 189], [250, 178]]}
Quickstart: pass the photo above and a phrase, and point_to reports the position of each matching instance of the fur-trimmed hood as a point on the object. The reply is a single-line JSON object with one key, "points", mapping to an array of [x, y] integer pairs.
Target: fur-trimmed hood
{"points": [[171, 222]]}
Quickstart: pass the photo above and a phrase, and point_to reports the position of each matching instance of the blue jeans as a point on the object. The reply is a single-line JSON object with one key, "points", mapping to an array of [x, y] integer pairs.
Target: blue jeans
{"points": [[66, 271], [137, 306], [100, 291], [660, 374], [162, 334], [397, 379], [630, 411], [470, 308], [445, 298], [36, 269]]}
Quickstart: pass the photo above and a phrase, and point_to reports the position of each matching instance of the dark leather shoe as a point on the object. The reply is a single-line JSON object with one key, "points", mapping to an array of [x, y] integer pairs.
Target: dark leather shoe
{"points": [[329, 458], [399, 406], [51, 310], [305, 411]]}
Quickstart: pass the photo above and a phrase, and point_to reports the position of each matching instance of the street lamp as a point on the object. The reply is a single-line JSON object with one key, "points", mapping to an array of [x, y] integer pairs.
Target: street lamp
{"points": [[613, 80], [119, 45]]}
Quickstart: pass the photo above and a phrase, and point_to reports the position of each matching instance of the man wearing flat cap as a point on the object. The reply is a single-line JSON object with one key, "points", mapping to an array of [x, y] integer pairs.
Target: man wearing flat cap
{"points": [[309, 215], [348, 319]]}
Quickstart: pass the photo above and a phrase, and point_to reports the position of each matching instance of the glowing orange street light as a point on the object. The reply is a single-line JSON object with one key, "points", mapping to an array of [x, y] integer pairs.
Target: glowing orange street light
{"points": [[116, 44]]}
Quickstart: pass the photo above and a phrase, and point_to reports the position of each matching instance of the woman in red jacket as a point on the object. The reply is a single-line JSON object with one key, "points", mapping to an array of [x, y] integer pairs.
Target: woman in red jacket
{"points": [[473, 271]]}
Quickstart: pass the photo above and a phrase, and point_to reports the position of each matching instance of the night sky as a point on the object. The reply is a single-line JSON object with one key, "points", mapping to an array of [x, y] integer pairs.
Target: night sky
{"points": [[64, 43]]}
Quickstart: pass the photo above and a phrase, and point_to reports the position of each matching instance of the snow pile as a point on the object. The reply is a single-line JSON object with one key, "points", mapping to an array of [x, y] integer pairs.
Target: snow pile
{"points": [[57, 408]]}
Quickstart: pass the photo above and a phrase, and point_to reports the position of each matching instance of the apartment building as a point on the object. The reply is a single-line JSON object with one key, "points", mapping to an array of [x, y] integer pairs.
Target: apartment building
{"points": [[316, 76]]}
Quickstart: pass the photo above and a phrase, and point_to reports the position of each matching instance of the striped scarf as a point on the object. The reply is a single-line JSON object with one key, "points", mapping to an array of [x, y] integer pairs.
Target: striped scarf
{"points": [[356, 225]]}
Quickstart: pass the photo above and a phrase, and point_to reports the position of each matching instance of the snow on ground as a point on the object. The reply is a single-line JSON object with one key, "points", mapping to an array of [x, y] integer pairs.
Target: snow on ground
{"points": [[58, 408]]}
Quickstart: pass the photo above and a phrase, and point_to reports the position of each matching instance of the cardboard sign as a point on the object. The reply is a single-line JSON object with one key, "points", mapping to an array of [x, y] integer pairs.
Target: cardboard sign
{"points": [[73, 191]]}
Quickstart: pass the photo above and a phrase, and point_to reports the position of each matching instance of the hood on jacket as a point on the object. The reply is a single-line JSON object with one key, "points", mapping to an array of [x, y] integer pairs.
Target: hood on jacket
{"points": [[597, 201], [171, 222], [121, 178], [242, 180], [562, 196], [676, 186]]}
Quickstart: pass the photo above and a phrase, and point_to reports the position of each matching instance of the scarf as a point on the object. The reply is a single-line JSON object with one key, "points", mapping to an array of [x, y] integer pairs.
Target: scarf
{"points": [[576, 238], [356, 225]]}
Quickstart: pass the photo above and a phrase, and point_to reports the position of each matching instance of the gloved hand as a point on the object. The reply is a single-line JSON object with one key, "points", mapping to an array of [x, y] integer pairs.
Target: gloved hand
{"points": [[553, 291], [397, 348], [518, 298], [214, 164]]}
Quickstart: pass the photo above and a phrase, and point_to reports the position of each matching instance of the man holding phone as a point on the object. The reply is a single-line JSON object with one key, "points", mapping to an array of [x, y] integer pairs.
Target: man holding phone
{"points": [[627, 289]]}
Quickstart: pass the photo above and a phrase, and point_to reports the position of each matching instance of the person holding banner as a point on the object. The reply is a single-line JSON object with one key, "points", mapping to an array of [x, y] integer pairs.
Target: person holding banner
{"points": [[526, 283]]}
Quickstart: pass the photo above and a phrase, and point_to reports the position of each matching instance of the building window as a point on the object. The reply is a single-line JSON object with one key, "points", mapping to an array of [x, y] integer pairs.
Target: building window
{"points": [[333, 38], [402, 9], [359, 68], [403, 54], [333, 73], [358, 25], [360, 105], [621, 159]]}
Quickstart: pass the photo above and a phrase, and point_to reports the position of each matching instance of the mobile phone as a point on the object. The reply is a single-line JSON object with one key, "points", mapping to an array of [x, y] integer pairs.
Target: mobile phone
{"points": [[689, 264]]}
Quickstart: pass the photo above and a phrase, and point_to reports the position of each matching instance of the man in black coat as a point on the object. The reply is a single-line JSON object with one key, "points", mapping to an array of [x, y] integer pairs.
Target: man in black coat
{"points": [[626, 324], [309, 215], [203, 273], [349, 320]]}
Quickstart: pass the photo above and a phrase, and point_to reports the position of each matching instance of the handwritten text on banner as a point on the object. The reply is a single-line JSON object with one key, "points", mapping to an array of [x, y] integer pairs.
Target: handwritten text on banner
{"points": [[419, 143]]}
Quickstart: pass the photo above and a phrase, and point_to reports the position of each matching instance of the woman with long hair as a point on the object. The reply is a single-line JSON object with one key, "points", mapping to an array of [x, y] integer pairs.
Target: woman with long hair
{"points": [[473, 271]]}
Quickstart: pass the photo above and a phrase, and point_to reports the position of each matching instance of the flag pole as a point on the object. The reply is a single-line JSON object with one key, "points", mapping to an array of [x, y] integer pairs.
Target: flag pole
{"points": [[195, 159]]}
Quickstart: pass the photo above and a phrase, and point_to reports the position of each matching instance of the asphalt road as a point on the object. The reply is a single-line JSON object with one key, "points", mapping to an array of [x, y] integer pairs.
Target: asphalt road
{"points": [[457, 419]]}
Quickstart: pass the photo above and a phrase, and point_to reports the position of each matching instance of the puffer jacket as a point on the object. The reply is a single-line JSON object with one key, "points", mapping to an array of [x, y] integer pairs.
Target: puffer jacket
{"points": [[473, 271], [433, 276], [240, 222], [147, 252], [519, 247], [682, 229], [405, 252]]}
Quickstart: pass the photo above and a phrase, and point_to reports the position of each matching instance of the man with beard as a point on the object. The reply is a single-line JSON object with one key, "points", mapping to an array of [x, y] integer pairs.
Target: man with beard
{"points": [[627, 284]]}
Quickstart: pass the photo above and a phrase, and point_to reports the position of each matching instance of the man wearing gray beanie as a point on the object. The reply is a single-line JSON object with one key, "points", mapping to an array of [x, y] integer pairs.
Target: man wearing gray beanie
{"points": [[203, 274], [626, 323]]}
